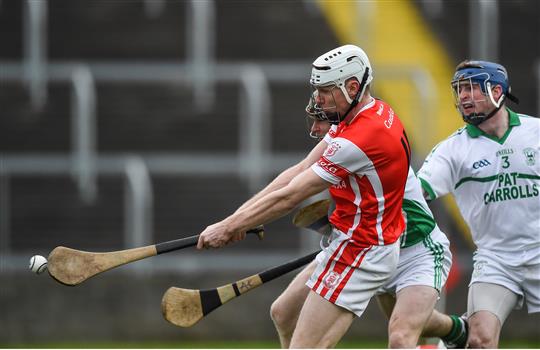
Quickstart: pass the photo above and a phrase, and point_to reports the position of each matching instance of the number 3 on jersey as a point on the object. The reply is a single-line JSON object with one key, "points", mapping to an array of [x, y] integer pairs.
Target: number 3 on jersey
{"points": [[506, 163]]}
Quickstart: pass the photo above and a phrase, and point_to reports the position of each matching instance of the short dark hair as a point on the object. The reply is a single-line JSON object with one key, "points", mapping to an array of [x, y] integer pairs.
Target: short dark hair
{"points": [[468, 63]]}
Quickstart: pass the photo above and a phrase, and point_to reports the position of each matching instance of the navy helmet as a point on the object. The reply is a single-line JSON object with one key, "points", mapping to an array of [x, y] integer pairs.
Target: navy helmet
{"points": [[487, 75]]}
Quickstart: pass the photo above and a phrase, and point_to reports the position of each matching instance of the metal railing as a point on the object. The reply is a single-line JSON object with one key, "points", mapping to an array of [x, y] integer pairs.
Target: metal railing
{"points": [[254, 159], [164, 71], [83, 133], [200, 33], [201, 43], [139, 202], [35, 51], [255, 126], [484, 29]]}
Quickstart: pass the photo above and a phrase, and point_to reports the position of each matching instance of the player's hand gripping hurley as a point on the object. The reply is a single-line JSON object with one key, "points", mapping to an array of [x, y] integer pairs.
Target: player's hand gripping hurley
{"points": [[71, 267]]}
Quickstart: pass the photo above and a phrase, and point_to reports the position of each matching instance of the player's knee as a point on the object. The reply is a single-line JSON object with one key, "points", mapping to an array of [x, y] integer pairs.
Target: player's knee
{"points": [[474, 342], [304, 341], [402, 333], [400, 339], [483, 333], [275, 311], [481, 338], [279, 314], [481, 341]]}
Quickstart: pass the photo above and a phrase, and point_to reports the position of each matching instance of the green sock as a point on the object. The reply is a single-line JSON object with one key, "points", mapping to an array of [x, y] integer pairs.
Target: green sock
{"points": [[456, 334]]}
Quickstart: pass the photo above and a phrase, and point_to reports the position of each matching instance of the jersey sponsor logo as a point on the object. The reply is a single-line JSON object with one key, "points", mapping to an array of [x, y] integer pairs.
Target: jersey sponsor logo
{"points": [[509, 189], [328, 166], [512, 192], [530, 156], [481, 163], [331, 280], [331, 149]]}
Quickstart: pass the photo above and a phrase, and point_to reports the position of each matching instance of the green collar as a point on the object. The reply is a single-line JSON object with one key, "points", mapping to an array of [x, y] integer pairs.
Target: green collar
{"points": [[474, 131]]}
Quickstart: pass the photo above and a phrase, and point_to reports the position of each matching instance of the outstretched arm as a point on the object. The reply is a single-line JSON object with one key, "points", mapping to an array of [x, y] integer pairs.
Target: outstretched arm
{"points": [[267, 208]]}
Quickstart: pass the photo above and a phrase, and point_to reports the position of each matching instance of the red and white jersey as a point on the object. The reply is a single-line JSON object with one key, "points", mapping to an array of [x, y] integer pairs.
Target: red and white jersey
{"points": [[367, 161]]}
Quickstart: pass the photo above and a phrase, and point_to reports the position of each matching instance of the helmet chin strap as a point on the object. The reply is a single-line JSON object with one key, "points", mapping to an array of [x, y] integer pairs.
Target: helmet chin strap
{"points": [[476, 119]]}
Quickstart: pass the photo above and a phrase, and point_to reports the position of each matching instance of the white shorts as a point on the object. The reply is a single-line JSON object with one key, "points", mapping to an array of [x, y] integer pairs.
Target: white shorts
{"points": [[426, 263], [348, 275], [523, 280], [491, 297]]}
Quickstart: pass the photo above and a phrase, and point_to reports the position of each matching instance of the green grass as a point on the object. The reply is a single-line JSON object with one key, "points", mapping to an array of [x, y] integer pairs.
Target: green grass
{"points": [[375, 344], [184, 345]]}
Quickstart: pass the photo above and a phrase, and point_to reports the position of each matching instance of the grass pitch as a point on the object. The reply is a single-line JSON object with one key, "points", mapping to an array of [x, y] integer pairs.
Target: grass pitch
{"points": [[369, 344]]}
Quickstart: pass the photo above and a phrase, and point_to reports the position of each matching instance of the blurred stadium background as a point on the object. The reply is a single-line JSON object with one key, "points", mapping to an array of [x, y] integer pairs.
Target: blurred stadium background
{"points": [[124, 123]]}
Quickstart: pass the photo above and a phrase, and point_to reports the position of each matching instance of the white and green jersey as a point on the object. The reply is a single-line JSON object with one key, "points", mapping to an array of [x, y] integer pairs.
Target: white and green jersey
{"points": [[418, 216], [496, 183]]}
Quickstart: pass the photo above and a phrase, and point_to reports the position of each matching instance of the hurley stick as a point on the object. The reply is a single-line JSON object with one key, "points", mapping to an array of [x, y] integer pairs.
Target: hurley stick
{"points": [[185, 307], [314, 217], [71, 267]]}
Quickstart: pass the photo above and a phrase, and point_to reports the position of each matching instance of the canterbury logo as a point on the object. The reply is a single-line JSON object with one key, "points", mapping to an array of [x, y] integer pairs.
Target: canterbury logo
{"points": [[481, 163]]}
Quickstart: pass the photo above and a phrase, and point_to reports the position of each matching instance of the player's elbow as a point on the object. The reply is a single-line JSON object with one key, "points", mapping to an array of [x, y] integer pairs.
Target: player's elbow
{"points": [[301, 187]]}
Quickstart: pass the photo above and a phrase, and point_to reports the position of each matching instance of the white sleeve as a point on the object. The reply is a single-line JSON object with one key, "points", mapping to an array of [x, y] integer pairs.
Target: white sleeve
{"points": [[341, 159], [328, 137], [437, 174]]}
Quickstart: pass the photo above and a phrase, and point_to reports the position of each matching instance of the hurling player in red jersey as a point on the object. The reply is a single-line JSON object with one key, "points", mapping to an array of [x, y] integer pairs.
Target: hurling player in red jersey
{"points": [[365, 168]]}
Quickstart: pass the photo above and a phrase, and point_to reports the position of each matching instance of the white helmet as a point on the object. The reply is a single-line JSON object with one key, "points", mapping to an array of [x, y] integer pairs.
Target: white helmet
{"points": [[338, 65]]}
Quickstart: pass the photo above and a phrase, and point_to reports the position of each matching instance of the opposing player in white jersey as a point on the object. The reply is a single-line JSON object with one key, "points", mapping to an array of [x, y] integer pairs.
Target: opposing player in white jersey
{"points": [[365, 169], [492, 167], [409, 297]]}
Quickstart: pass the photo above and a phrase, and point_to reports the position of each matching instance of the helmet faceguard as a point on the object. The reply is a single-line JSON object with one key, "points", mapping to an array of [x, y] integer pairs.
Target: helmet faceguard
{"points": [[314, 113], [337, 66], [329, 113], [486, 75]]}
